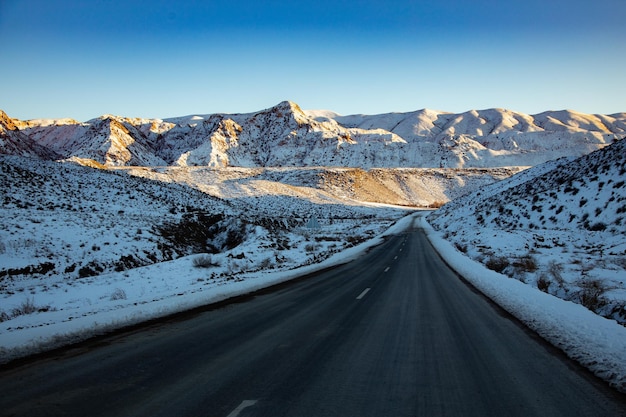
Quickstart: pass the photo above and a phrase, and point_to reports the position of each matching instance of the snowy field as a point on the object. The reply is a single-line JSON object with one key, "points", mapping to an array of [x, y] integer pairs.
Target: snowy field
{"points": [[67, 311]]}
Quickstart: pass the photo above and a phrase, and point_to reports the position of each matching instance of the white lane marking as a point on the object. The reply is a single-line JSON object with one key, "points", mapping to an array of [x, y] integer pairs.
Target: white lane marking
{"points": [[365, 291], [244, 404], [387, 269], [395, 258]]}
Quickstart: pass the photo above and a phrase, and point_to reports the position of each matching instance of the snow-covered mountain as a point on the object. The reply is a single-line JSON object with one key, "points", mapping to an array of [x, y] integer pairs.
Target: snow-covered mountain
{"points": [[560, 226], [108, 140], [15, 142], [285, 135]]}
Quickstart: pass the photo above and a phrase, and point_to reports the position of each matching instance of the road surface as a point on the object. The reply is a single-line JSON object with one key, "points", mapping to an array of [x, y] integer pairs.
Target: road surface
{"points": [[395, 333]]}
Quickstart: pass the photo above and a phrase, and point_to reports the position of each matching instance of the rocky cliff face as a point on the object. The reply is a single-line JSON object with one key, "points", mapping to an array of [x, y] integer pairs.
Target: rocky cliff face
{"points": [[285, 135], [15, 142]]}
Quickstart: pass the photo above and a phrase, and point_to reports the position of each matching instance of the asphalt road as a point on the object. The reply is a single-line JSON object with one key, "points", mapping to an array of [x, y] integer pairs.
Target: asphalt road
{"points": [[395, 333]]}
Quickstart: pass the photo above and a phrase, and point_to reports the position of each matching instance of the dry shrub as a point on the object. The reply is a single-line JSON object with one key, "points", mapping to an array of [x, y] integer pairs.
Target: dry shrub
{"points": [[497, 263], [591, 293], [525, 263], [203, 261], [543, 282]]}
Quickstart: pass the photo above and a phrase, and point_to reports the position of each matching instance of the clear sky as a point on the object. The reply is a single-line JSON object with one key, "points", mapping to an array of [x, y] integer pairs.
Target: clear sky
{"points": [[165, 58]]}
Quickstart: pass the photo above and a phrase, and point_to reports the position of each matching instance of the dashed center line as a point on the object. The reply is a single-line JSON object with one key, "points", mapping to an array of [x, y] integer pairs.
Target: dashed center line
{"points": [[396, 257], [365, 291], [244, 404], [387, 269]]}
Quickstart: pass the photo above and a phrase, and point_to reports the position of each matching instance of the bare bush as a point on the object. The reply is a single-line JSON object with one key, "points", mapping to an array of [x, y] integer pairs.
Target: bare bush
{"points": [[543, 282], [497, 263], [266, 264], [204, 261], [591, 293], [525, 263], [27, 307], [555, 269], [462, 247], [235, 267], [118, 294], [4, 316]]}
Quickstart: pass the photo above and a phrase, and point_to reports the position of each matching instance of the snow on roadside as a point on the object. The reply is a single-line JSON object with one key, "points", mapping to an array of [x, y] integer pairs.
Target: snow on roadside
{"points": [[110, 301], [597, 343]]}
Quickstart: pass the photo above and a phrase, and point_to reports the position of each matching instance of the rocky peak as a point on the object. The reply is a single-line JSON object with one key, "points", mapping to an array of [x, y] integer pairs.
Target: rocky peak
{"points": [[290, 110], [6, 122]]}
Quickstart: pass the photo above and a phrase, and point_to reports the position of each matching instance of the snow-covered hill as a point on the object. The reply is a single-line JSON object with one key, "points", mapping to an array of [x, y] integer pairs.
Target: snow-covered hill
{"points": [[78, 244], [285, 135], [560, 226], [63, 221], [69, 221]]}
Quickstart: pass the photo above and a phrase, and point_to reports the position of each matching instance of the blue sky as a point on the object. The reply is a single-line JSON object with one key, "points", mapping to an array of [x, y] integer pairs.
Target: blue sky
{"points": [[82, 59]]}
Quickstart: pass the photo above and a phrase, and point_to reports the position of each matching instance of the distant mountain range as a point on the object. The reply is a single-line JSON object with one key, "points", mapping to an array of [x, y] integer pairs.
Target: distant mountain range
{"points": [[285, 135]]}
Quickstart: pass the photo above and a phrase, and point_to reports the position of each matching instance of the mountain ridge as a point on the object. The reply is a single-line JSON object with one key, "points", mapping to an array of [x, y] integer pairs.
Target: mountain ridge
{"points": [[286, 135]]}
